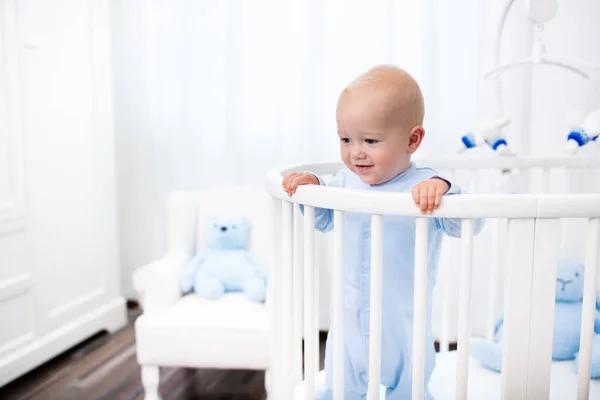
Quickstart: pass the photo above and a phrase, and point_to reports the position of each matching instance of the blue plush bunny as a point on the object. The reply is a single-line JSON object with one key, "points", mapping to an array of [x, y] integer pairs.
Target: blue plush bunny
{"points": [[226, 265], [567, 323]]}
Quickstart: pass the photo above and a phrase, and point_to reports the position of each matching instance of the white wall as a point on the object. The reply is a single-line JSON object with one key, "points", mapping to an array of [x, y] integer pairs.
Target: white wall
{"points": [[459, 49], [141, 239], [462, 51], [572, 35]]}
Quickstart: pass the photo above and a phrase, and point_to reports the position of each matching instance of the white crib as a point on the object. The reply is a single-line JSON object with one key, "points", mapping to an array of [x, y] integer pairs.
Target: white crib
{"points": [[554, 209]]}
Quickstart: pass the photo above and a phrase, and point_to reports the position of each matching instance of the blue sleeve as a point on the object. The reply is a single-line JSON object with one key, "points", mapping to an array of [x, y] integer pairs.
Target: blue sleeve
{"points": [[452, 226], [597, 318], [324, 216]]}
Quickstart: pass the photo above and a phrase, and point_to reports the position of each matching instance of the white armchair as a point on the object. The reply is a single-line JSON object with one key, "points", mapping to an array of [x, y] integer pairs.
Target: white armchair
{"points": [[188, 331]]}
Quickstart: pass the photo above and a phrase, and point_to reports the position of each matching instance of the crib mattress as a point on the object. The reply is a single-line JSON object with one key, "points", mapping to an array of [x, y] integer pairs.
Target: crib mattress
{"points": [[485, 384]]}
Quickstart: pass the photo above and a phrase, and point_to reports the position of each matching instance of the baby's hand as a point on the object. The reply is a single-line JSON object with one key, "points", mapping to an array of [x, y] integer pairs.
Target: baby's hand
{"points": [[428, 194], [295, 179]]}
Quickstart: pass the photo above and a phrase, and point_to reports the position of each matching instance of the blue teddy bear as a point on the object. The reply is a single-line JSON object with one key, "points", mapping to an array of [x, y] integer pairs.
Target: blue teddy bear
{"points": [[226, 265], [567, 323]]}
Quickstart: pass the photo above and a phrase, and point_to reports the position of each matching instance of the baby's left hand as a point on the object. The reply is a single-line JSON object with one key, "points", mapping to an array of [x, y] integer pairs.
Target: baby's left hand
{"points": [[428, 194]]}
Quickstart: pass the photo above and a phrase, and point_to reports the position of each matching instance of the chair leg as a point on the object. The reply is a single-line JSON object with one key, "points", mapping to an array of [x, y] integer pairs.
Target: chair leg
{"points": [[150, 381], [268, 384]]}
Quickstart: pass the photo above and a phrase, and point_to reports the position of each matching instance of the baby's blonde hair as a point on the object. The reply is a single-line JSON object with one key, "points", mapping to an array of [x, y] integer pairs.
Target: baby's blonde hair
{"points": [[404, 91]]}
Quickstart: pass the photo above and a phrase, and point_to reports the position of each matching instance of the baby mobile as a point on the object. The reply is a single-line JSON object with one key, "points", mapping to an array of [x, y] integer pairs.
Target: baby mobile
{"points": [[583, 125]]}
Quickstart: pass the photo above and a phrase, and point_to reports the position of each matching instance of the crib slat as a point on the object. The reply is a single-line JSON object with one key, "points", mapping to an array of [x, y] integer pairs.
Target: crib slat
{"points": [[517, 310], [420, 307], [446, 272], [274, 294], [493, 288], [375, 307], [543, 291], [287, 286], [546, 180], [464, 311], [588, 308], [338, 305], [316, 291], [310, 330], [298, 297]]}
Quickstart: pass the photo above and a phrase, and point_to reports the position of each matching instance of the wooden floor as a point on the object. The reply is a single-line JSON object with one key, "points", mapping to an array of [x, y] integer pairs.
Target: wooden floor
{"points": [[105, 367]]}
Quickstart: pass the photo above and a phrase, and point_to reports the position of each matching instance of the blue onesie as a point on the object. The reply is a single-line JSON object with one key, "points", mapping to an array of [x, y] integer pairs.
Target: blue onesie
{"points": [[398, 286]]}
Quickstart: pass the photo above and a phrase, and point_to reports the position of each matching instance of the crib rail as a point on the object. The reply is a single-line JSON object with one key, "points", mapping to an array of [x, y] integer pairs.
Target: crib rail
{"points": [[533, 229]]}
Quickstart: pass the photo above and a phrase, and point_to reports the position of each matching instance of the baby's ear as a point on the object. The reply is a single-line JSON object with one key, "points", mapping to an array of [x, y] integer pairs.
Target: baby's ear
{"points": [[415, 138]]}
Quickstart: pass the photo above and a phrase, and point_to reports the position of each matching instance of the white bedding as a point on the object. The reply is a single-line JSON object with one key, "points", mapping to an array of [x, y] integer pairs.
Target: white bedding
{"points": [[485, 384]]}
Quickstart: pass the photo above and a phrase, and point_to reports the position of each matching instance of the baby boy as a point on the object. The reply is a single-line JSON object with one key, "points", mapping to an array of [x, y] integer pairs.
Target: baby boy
{"points": [[379, 123]]}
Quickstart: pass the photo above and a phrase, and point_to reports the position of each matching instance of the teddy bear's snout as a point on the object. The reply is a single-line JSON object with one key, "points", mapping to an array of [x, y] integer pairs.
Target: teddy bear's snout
{"points": [[223, 229], [564, 282]]}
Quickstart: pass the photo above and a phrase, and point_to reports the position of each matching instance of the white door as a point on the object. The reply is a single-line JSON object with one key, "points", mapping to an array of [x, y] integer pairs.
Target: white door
{"points": [[70, 180], [59, 276], [16, 299]]}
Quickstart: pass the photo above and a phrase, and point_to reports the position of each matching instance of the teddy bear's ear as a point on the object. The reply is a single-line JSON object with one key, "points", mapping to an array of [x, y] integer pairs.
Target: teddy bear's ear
{"points": [[247, 223], [209, 221]]}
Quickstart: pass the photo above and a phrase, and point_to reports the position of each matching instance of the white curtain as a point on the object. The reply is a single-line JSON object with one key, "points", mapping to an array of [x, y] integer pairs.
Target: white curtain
{"points": [[212, 92]]}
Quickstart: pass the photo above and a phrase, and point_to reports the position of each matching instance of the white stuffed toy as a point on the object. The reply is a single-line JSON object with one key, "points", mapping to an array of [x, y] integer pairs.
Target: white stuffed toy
{"points": [[584, 128], [488, 132], [226, 264]]}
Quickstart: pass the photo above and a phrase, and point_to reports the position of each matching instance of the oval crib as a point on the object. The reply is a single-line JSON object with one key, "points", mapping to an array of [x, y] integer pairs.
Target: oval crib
{"points": [[532, 221]]}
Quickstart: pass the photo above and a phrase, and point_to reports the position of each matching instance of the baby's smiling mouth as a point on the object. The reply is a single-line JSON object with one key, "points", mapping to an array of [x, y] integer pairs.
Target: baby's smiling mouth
{"points": [[363, 168]]}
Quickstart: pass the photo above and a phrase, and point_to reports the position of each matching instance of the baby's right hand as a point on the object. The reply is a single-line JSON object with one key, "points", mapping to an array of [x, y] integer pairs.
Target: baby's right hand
{"points": [[295, 179]]}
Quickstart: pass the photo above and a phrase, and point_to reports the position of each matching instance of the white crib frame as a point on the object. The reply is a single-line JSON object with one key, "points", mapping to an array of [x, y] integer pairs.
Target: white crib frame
{"points": [[533, 229]]}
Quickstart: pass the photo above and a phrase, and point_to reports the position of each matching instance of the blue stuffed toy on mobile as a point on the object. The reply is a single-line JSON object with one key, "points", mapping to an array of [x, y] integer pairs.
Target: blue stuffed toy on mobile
{"points": [[226, 264], [567, 323]]}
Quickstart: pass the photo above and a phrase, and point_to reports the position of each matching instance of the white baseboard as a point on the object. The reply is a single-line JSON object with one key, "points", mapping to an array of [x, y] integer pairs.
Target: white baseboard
{"points": [[111, 317]]}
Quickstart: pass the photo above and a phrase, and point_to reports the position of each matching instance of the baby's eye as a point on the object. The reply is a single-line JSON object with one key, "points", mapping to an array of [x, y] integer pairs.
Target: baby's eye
{"points": [[345, 140], [371, 141]]}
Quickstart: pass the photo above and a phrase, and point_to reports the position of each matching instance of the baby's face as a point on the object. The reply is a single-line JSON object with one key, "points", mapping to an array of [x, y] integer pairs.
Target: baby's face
{"points": [[373, 144]]}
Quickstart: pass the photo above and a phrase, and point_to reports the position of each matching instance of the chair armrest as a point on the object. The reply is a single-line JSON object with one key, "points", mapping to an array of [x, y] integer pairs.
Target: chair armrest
{"points": [[158, 282]]}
